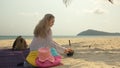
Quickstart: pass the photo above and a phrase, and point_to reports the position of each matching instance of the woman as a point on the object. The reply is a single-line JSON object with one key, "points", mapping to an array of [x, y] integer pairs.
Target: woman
{"points": [[43, 35], [43, 39]]}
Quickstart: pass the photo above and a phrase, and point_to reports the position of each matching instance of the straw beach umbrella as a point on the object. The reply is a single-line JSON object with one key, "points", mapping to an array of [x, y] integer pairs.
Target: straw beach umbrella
{"points": [[67, 2]]}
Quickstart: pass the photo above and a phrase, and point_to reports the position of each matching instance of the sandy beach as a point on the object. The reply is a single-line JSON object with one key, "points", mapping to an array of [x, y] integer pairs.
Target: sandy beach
{"points": [[92, 52]]}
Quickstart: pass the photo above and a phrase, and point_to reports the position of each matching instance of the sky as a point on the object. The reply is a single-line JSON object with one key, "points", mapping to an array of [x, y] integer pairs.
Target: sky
{"points": [[19, 17]]}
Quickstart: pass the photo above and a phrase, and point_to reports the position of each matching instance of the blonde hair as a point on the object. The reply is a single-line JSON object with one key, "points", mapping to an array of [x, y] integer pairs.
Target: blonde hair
{"points": [[43, 27]]}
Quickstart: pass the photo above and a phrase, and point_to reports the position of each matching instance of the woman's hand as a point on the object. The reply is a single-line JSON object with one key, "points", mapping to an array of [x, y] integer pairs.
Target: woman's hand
{"points": [[69, 52]]}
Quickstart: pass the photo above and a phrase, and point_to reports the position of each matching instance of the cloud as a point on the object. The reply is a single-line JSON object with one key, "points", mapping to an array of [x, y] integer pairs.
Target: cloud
{"points": [[96, 11], [97, 1], [99, 11], [97, 8], [28, 13]]}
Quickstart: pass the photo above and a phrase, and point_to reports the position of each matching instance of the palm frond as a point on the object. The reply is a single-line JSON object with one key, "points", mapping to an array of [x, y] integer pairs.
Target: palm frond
{"points": [[111, 1], [67, 2]]}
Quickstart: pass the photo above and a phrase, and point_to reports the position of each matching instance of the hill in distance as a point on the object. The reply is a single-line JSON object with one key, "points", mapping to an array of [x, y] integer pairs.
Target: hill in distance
{"points": [[91, 32]]}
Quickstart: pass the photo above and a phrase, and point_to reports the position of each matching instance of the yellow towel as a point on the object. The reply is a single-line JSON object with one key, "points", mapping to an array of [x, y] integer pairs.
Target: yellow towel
{"points": [[31, 57]]}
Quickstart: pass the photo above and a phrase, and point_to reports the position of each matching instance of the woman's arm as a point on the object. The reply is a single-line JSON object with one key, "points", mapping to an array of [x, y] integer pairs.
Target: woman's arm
{"points": [[59, 48]]}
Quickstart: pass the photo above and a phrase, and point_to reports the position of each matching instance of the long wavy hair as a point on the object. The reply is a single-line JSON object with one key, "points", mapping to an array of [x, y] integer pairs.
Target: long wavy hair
{"points": [[43, 27]]}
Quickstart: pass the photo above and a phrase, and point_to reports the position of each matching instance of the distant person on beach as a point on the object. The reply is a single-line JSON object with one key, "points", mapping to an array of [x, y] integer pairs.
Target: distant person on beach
{"points": [[43, 35]]}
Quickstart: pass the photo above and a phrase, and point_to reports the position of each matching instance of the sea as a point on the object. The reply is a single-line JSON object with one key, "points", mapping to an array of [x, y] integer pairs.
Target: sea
{"points": [[30, 37]]}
